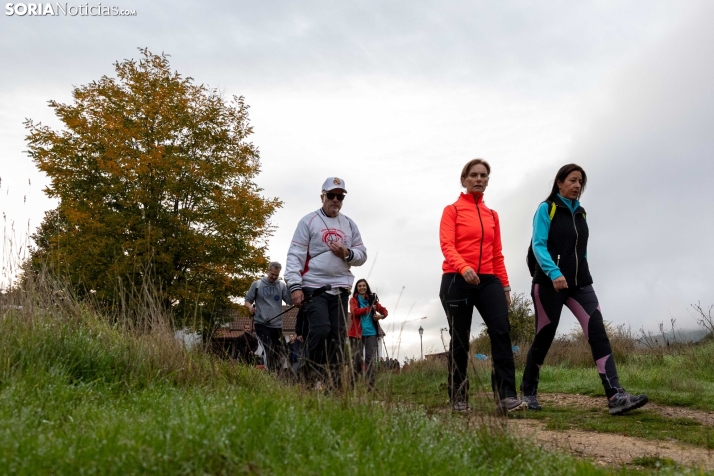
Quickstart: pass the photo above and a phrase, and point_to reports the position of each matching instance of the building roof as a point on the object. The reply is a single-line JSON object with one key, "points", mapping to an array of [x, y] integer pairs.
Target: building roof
{"points": [[290, 319], [226, 334], [437, 356], [235, 328]]}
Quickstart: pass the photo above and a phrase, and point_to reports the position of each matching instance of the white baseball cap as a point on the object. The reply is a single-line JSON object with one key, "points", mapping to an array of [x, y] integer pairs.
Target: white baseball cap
{"points": [[332, 183]]}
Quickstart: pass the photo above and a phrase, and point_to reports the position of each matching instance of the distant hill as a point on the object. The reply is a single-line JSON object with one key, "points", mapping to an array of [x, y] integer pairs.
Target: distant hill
{"points": [[682, 336]]}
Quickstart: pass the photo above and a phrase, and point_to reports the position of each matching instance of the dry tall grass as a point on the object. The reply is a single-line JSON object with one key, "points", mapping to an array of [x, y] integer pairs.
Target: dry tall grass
{"points": [[41, 321], [573, 350]]}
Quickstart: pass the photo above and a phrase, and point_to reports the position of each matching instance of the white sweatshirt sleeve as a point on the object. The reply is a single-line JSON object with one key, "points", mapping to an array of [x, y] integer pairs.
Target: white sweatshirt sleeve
{"points": [[297, 256], [358, 252]]}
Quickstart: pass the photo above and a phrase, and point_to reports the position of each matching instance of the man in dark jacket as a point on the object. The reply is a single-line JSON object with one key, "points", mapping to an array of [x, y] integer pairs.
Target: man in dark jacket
{"points": [[245, 346]]}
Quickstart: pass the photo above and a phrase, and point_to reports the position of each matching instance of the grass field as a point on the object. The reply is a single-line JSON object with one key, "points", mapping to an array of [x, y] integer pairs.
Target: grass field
{"points": [[81, 394], [685, 377]]}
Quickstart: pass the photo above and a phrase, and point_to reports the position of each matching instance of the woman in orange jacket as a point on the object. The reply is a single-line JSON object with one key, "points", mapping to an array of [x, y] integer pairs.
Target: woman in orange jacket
{"points": [[364, 329], [475, 275]]}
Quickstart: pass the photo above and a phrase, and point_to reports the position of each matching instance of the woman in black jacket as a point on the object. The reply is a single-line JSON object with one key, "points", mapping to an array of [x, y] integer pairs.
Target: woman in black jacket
{"points": [[561, 276]]}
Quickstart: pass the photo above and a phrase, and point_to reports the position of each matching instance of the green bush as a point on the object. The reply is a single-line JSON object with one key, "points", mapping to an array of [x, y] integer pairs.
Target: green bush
{"points": [[522, 319]]}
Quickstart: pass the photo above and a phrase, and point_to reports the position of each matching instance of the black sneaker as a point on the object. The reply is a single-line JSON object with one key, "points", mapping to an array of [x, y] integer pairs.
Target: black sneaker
{"points": [[532, 402], [510, 404], [623, 402]]}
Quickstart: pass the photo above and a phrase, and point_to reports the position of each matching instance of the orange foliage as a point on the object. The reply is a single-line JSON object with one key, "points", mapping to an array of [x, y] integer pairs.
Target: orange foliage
{"points": [[154, 178]]}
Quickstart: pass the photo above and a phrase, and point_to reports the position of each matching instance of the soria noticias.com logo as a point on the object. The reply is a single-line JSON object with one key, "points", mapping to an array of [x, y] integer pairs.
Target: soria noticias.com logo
{"points": [[65, 9]]}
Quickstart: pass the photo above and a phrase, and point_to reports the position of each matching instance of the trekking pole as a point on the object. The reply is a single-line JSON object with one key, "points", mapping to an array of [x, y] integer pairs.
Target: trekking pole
{"points": [[315, 293], [278, 315]]}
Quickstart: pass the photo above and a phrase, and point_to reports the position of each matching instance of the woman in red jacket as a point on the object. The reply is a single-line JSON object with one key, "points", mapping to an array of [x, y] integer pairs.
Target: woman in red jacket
{"points": [[475, 275], [364, 329]]}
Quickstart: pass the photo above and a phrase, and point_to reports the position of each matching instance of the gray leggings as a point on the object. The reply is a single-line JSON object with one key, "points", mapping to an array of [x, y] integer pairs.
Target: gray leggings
{"points": [[368, 344]]}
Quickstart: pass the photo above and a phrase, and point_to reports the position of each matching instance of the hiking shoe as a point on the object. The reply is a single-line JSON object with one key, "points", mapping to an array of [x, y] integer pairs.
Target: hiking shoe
{"points": [[511, 404], [461, 407], [623, 402], [532, 402]]}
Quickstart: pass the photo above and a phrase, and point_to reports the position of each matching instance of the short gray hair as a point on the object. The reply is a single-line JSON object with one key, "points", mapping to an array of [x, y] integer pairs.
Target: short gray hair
{"points": [[275, 265]]}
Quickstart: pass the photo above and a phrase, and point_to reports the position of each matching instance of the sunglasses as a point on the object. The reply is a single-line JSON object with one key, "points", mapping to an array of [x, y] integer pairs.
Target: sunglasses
{"points": [[332, 196]]}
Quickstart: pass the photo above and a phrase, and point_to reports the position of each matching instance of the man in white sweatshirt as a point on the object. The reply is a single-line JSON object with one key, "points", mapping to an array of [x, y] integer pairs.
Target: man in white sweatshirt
{"points": [[326, 244]]}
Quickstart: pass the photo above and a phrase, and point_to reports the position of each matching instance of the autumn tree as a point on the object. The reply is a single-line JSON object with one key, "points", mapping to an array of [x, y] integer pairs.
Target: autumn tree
{"points": [[154, 178]]}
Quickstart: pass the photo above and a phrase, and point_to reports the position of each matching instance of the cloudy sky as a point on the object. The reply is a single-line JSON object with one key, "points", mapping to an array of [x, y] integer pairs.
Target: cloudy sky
{"points": [[395, 96]]}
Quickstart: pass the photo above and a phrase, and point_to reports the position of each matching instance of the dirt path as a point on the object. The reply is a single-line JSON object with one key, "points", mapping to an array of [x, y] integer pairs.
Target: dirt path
{"points": [[611, 448], [585, 402]]}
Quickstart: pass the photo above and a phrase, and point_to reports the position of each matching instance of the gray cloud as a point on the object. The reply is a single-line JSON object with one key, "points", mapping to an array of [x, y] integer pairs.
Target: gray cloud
{"points": [[649, 150], [508, 43]]}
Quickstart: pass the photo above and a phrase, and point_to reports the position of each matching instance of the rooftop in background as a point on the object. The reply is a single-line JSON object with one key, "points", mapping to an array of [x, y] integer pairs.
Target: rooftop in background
{"points": [[235, 328], [437, 356]]}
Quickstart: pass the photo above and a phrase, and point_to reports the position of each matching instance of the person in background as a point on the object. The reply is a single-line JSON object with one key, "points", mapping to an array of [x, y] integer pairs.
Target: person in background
{"points": [[265, 301], [364, 330], [301, 331], [561, 277], [294, 352], [245, 347], [475, 275]]}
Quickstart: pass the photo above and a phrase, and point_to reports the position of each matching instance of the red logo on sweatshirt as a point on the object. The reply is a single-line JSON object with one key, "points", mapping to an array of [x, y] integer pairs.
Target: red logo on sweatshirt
{"points": [[332, 234]]}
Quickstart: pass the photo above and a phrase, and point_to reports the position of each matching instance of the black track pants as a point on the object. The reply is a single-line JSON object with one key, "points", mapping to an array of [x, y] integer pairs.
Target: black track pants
{"points": [[459, 298], [584, 305], [327, 323]]}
